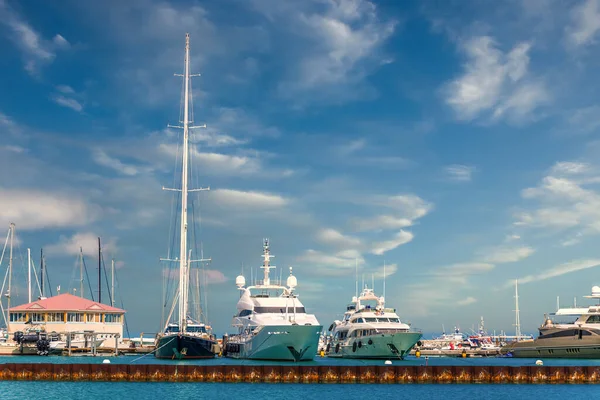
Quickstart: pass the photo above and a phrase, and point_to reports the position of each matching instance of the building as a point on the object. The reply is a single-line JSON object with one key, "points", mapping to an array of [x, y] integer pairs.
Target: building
{"points": [[68, 313]]}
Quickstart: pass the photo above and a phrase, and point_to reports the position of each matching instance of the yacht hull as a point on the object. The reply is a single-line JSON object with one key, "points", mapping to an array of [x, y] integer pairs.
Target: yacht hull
{"points": [[534, 349], [185, 347], [277, 343], [380, 346]]}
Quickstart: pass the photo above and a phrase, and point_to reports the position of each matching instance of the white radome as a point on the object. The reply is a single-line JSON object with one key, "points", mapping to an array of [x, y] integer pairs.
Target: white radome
{"points": [[240, 281]]}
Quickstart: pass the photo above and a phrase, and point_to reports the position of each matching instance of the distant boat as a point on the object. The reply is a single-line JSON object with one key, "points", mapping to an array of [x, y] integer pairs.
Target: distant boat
{"points": [[185, 339], [272, 323]]}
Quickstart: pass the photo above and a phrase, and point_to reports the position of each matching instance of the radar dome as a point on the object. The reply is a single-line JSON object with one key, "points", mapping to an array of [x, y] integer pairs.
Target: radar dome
{"points": [[292, 282], [240, 281], [596, 291]]}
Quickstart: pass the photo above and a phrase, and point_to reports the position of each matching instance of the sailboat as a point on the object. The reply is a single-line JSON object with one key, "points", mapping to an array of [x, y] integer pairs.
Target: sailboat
{"points": [[185, 339]]}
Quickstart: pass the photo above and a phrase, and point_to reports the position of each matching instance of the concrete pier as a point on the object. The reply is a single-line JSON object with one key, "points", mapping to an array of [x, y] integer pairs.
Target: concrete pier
{"points": [[299, 373]]}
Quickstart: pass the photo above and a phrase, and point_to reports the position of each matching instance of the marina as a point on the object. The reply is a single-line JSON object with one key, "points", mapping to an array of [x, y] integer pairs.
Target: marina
{"points": [[327, 147]]}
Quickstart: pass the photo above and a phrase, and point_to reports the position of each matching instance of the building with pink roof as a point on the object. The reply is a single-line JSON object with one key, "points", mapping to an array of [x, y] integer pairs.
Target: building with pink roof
{"points": [[68, 313]]}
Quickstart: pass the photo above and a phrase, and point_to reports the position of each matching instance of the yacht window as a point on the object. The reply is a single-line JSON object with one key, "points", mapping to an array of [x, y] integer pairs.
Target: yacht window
{"points": [[371, 319], [279, 310], [396, 320], [383, 319], [243, 313], [593, 319]]}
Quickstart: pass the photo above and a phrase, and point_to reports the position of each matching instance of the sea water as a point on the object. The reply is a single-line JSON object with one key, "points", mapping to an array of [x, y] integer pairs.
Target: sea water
{"points": [[286, 391]]}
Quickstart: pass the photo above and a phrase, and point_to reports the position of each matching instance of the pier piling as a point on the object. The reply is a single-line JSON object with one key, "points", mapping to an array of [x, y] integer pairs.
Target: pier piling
{"points": [[299, 373]]}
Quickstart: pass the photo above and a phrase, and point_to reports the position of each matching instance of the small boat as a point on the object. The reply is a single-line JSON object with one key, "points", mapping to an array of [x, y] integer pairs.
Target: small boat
{"points": [[272, 323], [371, 331], [185, 339]]}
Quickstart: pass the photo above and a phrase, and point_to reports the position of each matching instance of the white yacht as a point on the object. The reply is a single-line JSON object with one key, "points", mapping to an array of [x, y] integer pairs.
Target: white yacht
{"points": [[271, 321], [371, 331]]}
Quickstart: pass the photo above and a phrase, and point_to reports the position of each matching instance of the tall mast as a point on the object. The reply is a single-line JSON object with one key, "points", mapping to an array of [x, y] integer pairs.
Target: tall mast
{"points": [[10, 262], [41, 272], [99, 271], [183, 261], [517, 318]]}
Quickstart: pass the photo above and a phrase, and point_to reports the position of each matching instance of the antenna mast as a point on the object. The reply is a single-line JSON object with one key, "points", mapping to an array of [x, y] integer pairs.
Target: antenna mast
{"points": [[266, 265], [112, 278], [383, 278], [517, 318]]}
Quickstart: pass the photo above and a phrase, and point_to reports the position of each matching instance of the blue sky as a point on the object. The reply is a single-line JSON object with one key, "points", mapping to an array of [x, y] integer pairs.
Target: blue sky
{"points": [[456, 142]]}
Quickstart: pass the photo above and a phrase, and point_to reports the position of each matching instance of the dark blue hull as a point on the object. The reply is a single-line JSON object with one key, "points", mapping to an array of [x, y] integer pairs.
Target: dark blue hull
{"points": [[177, 347]]}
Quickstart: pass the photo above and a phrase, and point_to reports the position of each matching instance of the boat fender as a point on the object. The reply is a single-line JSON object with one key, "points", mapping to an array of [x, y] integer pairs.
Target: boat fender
{"points": [[331, 327], [419, 343], [337, 348], [354, 346], [328, 347], [359, 344], [370, 341]]}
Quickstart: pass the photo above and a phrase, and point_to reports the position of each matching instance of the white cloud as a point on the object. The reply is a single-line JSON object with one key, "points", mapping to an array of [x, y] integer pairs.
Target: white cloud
{"points": [[495, 82], [572, 241], [459, 173], [563, 203], [248, 200], [34, 209], [585, 23], [467, 301], [338, 264], [336, 44], [66, 89], [337, 239], [101, 158], [562, 269], [381, 222], [68, 102], [36, 50], [402, 237], [87, 241], [464, 269], [570, 168], [511, 238], [14, 149], [507, 254], [389, 270]]}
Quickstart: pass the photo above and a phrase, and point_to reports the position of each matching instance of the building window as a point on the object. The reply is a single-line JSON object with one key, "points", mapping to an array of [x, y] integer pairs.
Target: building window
{"points": [[37, 317], [17, 317], [75, 317], [93, 317], [112, 318], [55, 317]]}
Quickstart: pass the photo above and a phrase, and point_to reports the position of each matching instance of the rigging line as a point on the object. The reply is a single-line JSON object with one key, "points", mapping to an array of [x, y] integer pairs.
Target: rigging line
{"points": [[73, 274], [106, 279], [88, 278], [48, 277], [155, 350]]}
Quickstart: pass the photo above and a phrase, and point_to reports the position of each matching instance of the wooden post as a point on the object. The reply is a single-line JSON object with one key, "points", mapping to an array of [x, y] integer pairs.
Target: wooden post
{"points": [[117, 344], [69, 343]]}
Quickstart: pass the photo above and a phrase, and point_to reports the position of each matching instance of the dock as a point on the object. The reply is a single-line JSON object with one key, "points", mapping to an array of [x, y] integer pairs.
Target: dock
{"points": [[298, 373]]}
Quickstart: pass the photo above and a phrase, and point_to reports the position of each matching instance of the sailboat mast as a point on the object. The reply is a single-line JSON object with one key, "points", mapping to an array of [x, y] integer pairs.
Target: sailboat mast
{"points": [[10, 262], [517, 317], [99, 272], [183, 261], [112, 283], [29, 275], [41, 272], [81, 272]]}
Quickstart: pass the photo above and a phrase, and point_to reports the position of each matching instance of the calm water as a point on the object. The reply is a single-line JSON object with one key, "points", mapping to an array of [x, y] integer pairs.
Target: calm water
{"points": [[173, 391]]}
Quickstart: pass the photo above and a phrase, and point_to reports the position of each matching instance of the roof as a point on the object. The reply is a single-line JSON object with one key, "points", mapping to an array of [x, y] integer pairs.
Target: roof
{"points": [[66, 302]]}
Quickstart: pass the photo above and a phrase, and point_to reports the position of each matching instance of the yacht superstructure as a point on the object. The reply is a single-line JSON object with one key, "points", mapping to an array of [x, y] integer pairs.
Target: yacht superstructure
{"points": [[371, 331], [272, 323]]}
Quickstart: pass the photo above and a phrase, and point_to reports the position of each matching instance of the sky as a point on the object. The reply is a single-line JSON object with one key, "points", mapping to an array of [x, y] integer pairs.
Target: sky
{"points": [[455, 142]]}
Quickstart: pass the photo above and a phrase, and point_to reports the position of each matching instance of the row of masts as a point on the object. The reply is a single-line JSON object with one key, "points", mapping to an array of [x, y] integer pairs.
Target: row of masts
{"points": [[40, 282]]}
